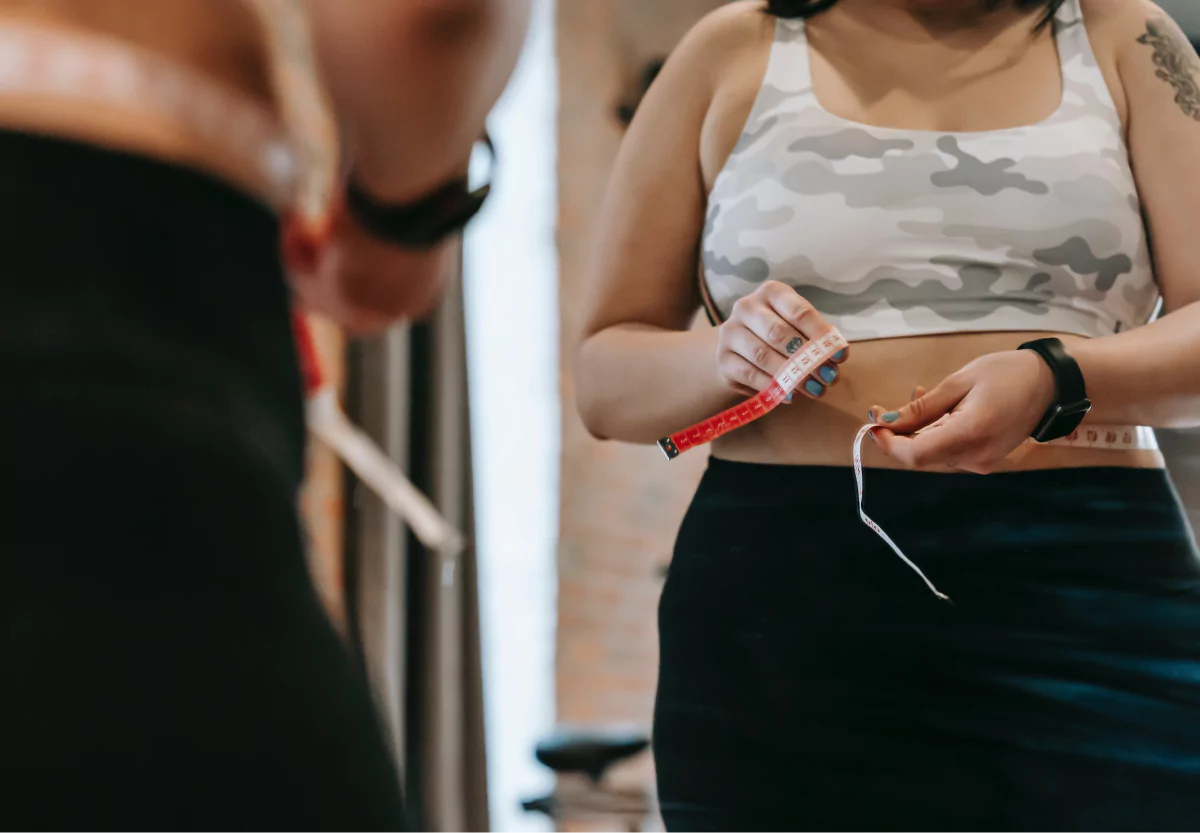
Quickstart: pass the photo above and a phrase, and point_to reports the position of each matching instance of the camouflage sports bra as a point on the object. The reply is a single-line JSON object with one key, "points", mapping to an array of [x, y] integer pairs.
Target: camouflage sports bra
{"points": [[894, 232]]}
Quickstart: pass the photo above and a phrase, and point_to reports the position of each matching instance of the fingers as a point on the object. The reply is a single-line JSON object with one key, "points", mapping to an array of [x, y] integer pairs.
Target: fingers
{"points": [[952, 445], [924, 409], [799, 314], [743, 375], [766, 328], [963, 441], [755, 314], [755, 350]]}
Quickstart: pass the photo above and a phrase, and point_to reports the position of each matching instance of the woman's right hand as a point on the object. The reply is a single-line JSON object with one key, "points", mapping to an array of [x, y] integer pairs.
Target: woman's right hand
{"points": [[362, 284], [766, 327]]}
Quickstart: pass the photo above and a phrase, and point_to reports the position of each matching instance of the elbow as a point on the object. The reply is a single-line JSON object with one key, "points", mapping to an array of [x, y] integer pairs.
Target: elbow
{"points": [[588, 401], [592, 417], [593, 423]]}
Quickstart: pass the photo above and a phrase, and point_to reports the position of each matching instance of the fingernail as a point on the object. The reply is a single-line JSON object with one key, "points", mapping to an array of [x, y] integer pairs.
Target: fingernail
{"points": [[891, 416], [828, 374], [871, 415], [814, 387], [912, 396], [839, 355], [788, 400], [871, 434]]}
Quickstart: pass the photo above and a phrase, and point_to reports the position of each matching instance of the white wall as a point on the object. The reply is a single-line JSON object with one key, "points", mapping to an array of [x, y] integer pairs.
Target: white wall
{"points": [[511, 279]]}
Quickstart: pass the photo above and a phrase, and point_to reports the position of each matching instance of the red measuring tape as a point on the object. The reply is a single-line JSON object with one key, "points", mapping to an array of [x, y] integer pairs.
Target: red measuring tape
{"points": [[799, 367]]}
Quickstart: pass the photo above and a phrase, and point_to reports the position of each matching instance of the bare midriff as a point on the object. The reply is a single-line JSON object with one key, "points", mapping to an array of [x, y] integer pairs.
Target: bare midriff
{"points": [[885, 373], [219, 39]]}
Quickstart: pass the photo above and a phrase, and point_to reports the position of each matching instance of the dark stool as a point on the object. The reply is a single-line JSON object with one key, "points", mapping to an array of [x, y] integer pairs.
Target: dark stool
{"points": [[581, 758]]}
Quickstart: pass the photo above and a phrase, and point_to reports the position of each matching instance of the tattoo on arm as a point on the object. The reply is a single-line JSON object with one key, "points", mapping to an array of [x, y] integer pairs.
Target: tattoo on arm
{"points": [[1176, 63]]}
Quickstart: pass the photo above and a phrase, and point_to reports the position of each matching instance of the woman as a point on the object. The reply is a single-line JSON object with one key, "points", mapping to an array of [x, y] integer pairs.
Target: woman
{"points": [[166, 664], [943, 181]]}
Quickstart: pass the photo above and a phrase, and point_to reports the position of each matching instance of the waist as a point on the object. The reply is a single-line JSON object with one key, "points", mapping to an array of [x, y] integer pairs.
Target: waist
{"points": [[67, 83], [1100, 503], [885, 373]]}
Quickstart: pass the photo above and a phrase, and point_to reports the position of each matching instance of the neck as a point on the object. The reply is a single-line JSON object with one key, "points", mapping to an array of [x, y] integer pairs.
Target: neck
{"points": [[937, 19]]}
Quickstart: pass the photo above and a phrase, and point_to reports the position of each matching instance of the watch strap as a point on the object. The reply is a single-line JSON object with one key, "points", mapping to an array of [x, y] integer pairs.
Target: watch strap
{"points": [[1067, 375], [1071, 402], [426, 222]]}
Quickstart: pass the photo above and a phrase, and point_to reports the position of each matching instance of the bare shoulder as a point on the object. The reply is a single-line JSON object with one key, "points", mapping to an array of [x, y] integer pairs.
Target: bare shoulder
{"points": [[729, 48], [1123, 29], [725, 35]]}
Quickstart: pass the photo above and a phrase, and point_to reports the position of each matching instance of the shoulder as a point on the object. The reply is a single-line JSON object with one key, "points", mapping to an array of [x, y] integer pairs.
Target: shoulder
{"points": [[729, 49], [733, 25], [701, 67], [1129, 39], [723, 37], [1123, 30]]}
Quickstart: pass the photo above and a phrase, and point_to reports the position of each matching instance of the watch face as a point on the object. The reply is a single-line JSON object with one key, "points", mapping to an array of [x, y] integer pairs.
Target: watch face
{"points": [[1080, 408]]}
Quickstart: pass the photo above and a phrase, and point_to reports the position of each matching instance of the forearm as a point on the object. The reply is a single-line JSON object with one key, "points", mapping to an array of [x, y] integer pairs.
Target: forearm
{"points": [[638, 384], [413, 83], [1148, 376]]}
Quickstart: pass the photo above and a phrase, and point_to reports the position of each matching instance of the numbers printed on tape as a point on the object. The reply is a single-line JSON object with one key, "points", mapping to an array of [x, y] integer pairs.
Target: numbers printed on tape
{"points": [[814, 354]]}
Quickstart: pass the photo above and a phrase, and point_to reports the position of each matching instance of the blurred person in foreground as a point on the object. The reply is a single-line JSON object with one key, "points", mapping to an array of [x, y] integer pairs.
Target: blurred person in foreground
{"points": [[166, 663], [988, 199]]}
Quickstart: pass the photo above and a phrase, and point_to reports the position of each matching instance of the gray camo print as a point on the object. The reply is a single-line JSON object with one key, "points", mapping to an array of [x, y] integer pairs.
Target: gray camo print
{"points": [[893, 232]]}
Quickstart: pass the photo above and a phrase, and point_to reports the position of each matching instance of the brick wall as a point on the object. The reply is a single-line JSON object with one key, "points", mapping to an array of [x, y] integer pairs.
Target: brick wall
{"points": [[621, 505]]}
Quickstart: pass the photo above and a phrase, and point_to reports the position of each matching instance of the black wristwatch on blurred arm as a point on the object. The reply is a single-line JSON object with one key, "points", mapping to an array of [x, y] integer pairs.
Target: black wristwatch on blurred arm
{"points": [[1071, 403], [426, 222]]}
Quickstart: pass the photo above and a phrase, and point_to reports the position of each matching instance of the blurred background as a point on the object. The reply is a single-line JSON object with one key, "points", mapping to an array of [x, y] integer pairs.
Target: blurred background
{"points": [[545, 632]]}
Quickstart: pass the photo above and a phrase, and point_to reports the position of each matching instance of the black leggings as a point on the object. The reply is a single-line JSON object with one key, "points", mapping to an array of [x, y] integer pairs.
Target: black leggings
{"points": [[810, 680], [165, 661]]}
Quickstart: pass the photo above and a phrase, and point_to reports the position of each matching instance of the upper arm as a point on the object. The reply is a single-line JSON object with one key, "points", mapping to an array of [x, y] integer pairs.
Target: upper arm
{"points": [[646, 254], [413, 81], [1160, 74]]}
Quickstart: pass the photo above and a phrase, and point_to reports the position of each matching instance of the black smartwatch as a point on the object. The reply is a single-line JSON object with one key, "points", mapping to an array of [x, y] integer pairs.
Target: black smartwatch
{"points": [[1071, 403], [428, 221]]}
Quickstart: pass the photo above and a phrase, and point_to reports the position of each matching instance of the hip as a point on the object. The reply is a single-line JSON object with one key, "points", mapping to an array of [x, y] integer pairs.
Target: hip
{"points": [[1054, 543]]}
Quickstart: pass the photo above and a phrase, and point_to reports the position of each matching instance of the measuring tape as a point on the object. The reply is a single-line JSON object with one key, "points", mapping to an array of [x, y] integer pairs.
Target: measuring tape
{"points": [[816, 353], [358, 451], [798, 368], [46, 63]]}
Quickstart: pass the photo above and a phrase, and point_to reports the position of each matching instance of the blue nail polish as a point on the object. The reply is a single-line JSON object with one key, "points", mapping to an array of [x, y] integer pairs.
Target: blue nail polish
{"points": [[839, 355], [789, 397], [828, 374], [814, 387], [891, 416]]}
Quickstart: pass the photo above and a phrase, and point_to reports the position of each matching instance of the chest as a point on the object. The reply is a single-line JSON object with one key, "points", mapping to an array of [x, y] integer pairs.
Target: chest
{"points": [[991, 83], [824, 188]]}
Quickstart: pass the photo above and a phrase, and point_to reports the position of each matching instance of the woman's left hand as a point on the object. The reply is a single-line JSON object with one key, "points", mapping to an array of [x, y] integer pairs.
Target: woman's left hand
{"points": [[974, 419]]}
